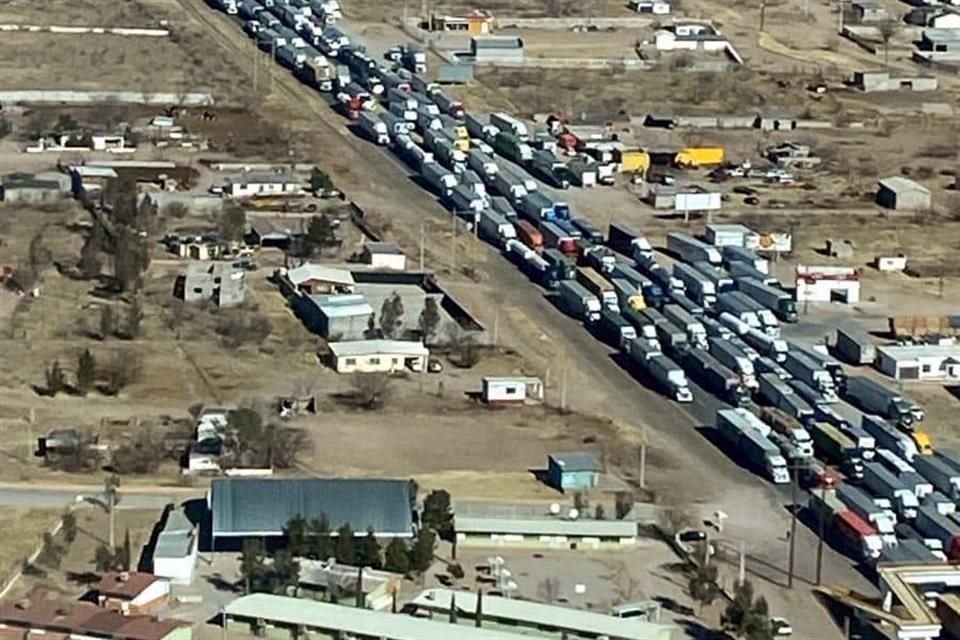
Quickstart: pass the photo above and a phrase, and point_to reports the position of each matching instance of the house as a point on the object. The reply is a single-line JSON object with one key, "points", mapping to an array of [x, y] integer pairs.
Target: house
{"points": [[38, 617], [690, 37], [323, 577], [132, 592], [940, 40], [792, 155], [279, 234], [315, 279], [655, 7], [870, 81], [474, 23], [827, 284], [865, 11], [220, 282], [496, 50], [903, 194], [920, 362], [384, 255], [369, 356], [175, 552], [558, 532], [943, 19], [575, 470], [26, 188], [511, 390], [335, 317], [262, 183], [195, 243], [241, 508]]}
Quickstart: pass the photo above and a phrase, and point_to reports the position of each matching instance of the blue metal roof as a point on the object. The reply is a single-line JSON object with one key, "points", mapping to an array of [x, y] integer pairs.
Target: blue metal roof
{"points": [[256, 506]]}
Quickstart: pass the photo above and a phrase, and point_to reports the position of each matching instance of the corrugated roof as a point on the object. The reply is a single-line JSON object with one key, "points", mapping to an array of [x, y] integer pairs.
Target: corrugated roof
{"points": [[544, 616], [383, 247], [247, 506], [84, 618], [125, 584], [942, 35], [496, 42], [374, 347], [576, 461], [311, 271], [906, 352], [547, 527], [345, 305], [899, 184], [454, 73], [361, 622], [177, 538]]}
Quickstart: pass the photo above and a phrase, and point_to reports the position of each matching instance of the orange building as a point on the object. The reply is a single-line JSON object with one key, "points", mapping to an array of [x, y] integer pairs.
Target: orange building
{"points": [[475, 23]]}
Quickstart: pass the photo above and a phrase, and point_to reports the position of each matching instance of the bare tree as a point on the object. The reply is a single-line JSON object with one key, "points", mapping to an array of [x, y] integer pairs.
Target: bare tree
{"points": [[371, 389], [887, 29], [673, 520], [549, 589]]}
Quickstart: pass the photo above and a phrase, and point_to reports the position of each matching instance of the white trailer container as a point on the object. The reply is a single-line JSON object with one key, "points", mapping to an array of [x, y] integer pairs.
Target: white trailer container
{"points": [[692, 250], [506, 122]]}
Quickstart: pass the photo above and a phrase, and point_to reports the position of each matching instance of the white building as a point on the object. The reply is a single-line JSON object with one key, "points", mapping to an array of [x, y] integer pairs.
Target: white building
{"points": [[511, 390], [370, 356], [175, 554], [256, 183], [944, 20], [656, 7], [827, 284], [922, 362], [553, 533], [384, 255]]}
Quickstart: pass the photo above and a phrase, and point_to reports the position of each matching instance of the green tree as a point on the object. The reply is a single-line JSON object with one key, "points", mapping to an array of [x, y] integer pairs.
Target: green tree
{"points": [[437, 513], [86, 372], [108, 322], [233, 223], [321, 547], [345, 550], [368, 551], [51, 553], [56, 380], [252, 564], [104, 559], [320, 234], [391, 315], [38, 255], [702, 584], [429, 319], [126, 552], [131, 258], [296, 533], [125, 368], [397, 557], [758, 625], [319, 180], [245, 427], [421, 556], [284, 573]]}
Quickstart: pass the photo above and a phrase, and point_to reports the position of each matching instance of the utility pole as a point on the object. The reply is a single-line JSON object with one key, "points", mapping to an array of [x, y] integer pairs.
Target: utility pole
{"points": [[563, 384], [793, 524], [496, 324], [742, 573], [763, 13], [643, 458], [823, 494], [453, 244], [422, 231]]}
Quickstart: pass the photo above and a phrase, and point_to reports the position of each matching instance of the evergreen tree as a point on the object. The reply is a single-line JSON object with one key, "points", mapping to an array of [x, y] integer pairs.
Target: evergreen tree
{"points": [[86, 372], [429, 319], [126, 552], [391, 315], [421, 556], [345, 548], [108, 322], [56, 381], [368, 551], [252, 564], [396, 557], [296, 534], [322, 544]]}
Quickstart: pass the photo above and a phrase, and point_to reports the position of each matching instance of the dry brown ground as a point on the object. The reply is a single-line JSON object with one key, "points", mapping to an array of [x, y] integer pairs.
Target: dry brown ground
{"points": [[21, 530]]}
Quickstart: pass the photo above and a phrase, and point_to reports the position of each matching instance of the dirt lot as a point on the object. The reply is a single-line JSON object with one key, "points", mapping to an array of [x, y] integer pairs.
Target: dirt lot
{"points": [[21, 530]]}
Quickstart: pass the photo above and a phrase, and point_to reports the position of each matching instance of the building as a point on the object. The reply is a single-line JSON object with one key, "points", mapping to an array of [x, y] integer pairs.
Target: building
{"points": [[551, 532], [865, 11], [271, 616], [827, 284], [262, 183], [369, 356], [219, 282], [132, 592], [475, 23], [511, 390], [940, 41], [335, 317], [255, 507], [496, 50], [322, 577], [522, 614], [920, 362], [278, 234], [575, 470], [903, 194], [26, 188], [37, 617], [175, 552], [870, 81], [692, 36], [315, 279], [384, 255], [655, 7], [943, 20]]}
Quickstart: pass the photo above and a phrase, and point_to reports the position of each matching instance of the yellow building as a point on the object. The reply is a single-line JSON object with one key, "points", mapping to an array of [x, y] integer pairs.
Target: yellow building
{"points": [[475, 23]]}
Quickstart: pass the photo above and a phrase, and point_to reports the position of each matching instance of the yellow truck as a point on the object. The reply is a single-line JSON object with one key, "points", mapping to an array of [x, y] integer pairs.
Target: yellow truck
{"points": [[693, 157], [633, 161], [922, 440]]}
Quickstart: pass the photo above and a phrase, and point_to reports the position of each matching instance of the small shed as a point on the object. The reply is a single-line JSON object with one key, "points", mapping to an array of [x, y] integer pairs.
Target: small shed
{"points": [[26, 188], [869, 11], [573, 470], [496, 50], [903, 194], [384, 255], [944, 20], [511, 390]]}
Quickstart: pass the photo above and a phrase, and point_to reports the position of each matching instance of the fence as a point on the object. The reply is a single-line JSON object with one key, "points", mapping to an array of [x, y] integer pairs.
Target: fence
{"points": [[113, 31], [16, 570], [624, 64]]}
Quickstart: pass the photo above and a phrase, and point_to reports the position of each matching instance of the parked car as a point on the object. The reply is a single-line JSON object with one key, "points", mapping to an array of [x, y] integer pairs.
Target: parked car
{"points": [[781, 627]]}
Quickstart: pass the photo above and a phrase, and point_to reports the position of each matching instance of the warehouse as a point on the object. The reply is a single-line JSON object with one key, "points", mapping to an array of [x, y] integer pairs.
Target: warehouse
{"points": [[574, 470], [539, 617], [371, 356], [827, 284], [254, 507], [26, 188], [175, 553], [550, 532], [903, 194], [335, 317], [258, 613], [922, 362], [496, 50]]}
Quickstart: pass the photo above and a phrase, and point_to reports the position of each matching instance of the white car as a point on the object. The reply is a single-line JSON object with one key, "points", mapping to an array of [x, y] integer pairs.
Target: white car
{"points": [[781, 627]]}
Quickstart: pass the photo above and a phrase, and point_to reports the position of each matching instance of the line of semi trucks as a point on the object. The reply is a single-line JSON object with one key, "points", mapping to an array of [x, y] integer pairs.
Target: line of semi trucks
{"points": [[876, 484]]}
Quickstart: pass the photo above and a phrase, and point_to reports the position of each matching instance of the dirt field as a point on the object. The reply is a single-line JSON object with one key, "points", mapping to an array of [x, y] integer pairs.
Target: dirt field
{"points": [[21, 530]]}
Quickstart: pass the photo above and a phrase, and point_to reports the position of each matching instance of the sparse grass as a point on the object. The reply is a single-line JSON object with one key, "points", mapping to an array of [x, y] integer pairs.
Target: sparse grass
{"points": [[21, 530]]}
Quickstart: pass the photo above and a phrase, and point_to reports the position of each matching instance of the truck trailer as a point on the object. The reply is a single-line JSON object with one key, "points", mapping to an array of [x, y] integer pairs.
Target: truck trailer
{"points": [[737, 427], [578, 301], [873, 397], [713, 376], [689, 249], [667, 374], [778, 300], [855, 346]]}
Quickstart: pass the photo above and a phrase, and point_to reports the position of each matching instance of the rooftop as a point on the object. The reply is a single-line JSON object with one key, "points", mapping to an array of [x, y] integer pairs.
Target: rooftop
{"points": [[942, 35], [177, 537], [359, 622], [83, 618], [125, 584], [311, 271], [544, 615], [576, 461], [345, 305], [382, 247], [27, 181], [921, 351], [496, 42], [263, 177], [255, 506], [547, 526], [374, 347], [214, 268], [899, 184]]}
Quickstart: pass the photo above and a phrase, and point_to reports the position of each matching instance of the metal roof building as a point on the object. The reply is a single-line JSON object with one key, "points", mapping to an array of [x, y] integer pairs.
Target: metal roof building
{"points": [[496, 49], [544, 617], [897, 192], [245, 507], [291, 613], [175, 554]]}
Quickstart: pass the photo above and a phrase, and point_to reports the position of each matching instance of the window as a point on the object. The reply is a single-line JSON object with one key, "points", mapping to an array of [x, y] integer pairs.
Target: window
{"points": [[197, 290], [216, 280], [374, 361], [926, 368], [511, 391], [395, 360], [350, 362]]}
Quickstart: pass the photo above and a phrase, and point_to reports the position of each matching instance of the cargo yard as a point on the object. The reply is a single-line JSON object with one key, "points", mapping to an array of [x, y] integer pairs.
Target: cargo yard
{"points": [[726, 292]]}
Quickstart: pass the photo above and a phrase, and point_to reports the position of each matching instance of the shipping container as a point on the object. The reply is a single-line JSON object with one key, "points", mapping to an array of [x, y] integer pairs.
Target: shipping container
{"points": [[689, 249], [576, 300], [529, 235], [855, 346], [781, 302]]}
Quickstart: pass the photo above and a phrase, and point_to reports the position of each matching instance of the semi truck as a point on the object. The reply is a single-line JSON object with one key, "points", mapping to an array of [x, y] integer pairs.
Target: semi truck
{"points": [[732, 357], [628, 295], [662, 370], [680, 317], [941, 475], [864, 506], [834, 368], [689, 249], [763, 364], [785, 424], [588, 230], [631, 243], [740, 270], [373, 128], [652, 292], [733, 253], [464, 200], [857, 535], [722, 282], [481, 163], [932, 524], [806, 370], [566, 269], [494, 228], [514, 126], [556, 238], [730, 303], [885, 484], [673, 338], [600, 258], [448, 105], [699, 287], [855, 346], [529, 235], [509, 185], [613, 329], [646, 329], [715, 377], [873, 397], [439, 178], [773, 348], [546, 166], [888, 437], [537, 206], [512, 148], [782, 304], [716, 329], [316, 71], [479, 126], [598, 286], [584, 172], [738, 428], [836, 448], [578, 301]]}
